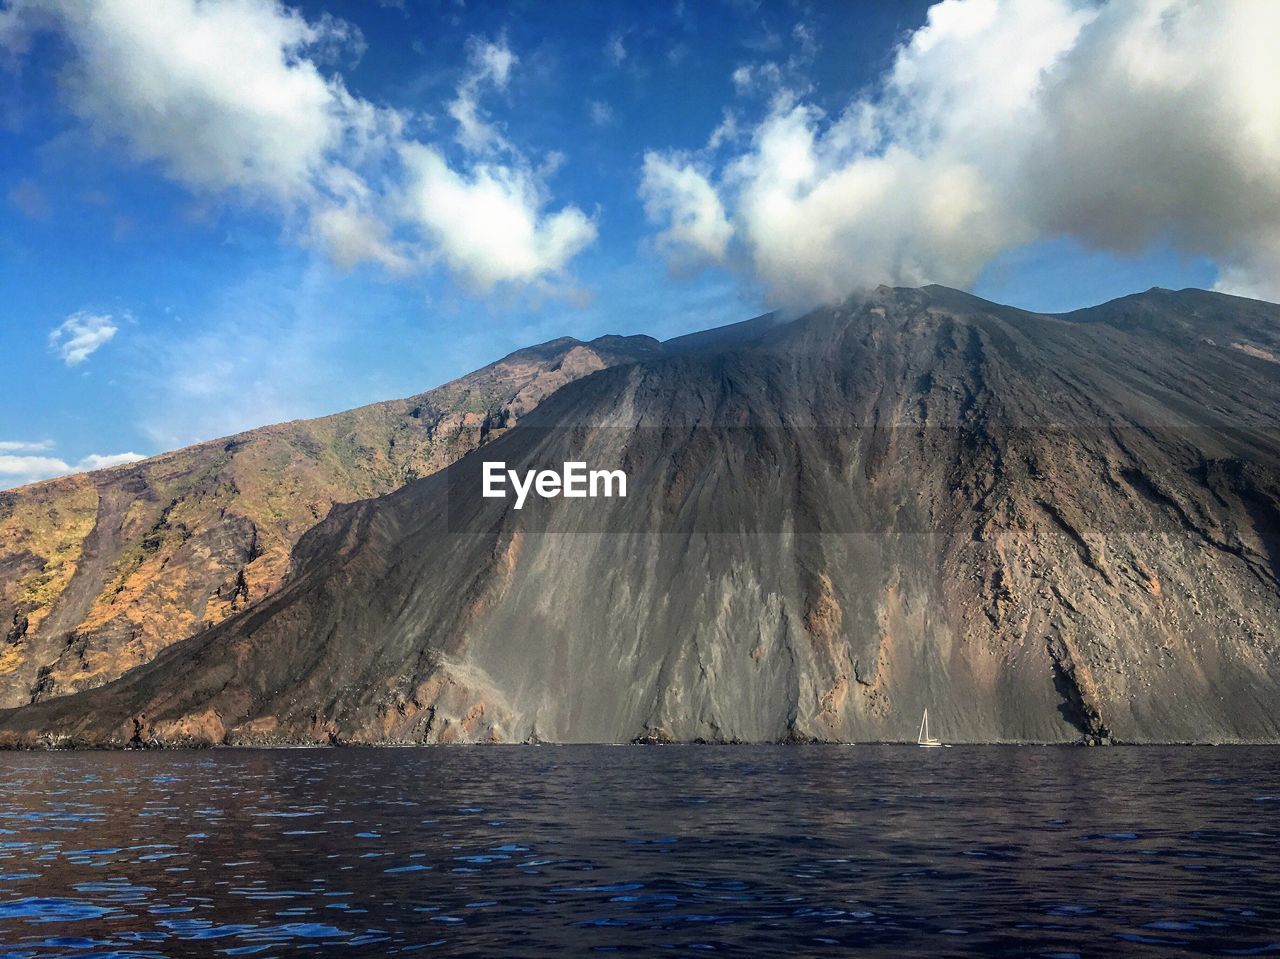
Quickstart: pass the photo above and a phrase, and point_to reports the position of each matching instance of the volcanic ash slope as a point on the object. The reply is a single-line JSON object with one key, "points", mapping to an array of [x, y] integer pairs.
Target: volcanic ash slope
{"points": [[1043, 528]]}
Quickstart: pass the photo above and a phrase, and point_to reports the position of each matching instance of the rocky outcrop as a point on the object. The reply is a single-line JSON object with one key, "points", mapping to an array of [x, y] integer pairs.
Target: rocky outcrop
{"points": [[1044, 528]]}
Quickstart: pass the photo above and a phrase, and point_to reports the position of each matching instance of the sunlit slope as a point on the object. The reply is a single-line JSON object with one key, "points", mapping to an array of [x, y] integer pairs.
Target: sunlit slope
{"points": [[99, 572]]}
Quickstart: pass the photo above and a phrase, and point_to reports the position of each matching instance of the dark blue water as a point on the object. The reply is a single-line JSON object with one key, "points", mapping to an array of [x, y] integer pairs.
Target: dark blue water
{"points": [[490, 851]]}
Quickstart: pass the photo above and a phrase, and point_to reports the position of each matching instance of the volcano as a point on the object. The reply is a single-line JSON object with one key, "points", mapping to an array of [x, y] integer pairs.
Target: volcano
{"points": [[1043, 528]]}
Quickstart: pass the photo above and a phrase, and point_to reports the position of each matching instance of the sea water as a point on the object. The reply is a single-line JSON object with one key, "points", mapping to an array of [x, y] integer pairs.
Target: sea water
{"points": [[659, 850]]}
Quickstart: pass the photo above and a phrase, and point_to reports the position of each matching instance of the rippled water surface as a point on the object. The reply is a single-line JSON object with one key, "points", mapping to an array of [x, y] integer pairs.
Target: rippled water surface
{"points": [[675, 850]]}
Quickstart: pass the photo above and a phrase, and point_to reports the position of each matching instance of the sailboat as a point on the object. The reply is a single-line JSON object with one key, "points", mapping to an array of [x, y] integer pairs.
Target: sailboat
{"points": [[924, 739]]}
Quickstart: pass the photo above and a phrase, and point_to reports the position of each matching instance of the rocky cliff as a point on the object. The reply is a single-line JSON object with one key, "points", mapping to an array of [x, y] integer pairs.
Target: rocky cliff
{"points": [[1044, 528], [100, 571]]}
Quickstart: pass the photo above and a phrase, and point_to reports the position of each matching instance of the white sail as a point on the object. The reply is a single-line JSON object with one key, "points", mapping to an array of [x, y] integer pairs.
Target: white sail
{"points": [[923, 738]]}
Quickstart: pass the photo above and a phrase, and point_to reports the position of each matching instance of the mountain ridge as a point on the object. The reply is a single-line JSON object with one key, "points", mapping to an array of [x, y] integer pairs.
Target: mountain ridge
{"points": [[1044, 527], [98, 571]]}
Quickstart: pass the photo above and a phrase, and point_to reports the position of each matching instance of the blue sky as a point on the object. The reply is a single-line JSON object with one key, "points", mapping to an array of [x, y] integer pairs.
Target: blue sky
{"points": [[442, 183]]}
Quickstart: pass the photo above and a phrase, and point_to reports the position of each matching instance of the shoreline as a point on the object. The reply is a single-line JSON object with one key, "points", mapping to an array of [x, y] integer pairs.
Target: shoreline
{"points": [[282, 746]]}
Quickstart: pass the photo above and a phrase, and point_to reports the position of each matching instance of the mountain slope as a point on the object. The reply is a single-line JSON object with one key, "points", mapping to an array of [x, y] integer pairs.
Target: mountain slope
{"points": [[100, 571], [1044, 528]]}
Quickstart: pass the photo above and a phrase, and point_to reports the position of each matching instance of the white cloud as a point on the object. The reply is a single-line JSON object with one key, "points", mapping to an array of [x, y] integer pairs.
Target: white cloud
{"points": [[752, 77], [676, 192], [80, 334], [24, 446], [806, 40], [1002, 122], [95, 461], [15, 36], [488, 226], [1173, 107], [353, 235], [493, 60], [600, 112], [725, 132], [20, 470], [615, 50], [29, 200], [221, 95], [228, 97], [490, 64]]}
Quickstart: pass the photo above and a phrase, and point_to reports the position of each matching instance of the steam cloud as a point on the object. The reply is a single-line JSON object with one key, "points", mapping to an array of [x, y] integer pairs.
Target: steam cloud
{"points": [[1001, 122]]}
